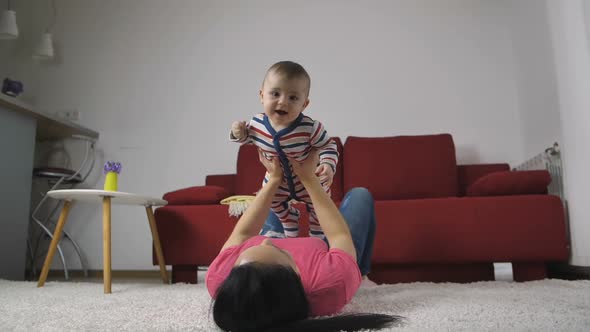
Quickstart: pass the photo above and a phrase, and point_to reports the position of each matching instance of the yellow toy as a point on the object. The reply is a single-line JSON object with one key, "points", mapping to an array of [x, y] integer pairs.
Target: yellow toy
{"points": [[237, 204]]}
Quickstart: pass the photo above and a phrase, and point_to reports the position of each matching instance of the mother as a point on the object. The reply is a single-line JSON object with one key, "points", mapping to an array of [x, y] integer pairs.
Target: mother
{"points": [[277, 284]]}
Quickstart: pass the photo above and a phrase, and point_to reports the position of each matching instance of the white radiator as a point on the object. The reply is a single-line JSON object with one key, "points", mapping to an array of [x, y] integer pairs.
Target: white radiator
{"points": [[549, 160]]}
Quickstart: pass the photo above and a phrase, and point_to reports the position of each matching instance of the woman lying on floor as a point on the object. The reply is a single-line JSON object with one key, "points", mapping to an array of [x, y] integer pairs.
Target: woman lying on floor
{"points": [[263, 284]]}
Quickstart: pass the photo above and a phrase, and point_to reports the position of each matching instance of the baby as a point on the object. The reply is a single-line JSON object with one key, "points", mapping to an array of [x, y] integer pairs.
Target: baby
{"points": [[283, 131]]}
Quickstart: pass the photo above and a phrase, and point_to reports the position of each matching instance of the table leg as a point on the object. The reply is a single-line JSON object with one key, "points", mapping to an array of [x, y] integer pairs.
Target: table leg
{"points": [[56, 237], [106, 243], [156, 237]]}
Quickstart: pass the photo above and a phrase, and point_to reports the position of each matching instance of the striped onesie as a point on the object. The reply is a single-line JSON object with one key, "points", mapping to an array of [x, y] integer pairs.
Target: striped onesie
{"points": [[295, 141]]}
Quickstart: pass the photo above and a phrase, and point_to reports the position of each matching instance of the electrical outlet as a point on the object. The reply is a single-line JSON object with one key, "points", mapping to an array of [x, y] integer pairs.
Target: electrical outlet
{"points": [[71, 115], [74, 115]]}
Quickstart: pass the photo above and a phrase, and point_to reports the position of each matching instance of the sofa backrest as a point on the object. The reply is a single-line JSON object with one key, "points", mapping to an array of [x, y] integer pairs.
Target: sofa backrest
{"points": [[250, 172], [401, 167]]}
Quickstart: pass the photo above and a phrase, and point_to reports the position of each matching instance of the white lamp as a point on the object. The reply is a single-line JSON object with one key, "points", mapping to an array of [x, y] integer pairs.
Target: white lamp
{"points": [[8, 27], [44, 49]]}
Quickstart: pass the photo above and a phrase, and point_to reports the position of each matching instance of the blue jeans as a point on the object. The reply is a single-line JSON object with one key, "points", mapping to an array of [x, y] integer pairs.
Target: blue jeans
{"points": [[358, 209]]}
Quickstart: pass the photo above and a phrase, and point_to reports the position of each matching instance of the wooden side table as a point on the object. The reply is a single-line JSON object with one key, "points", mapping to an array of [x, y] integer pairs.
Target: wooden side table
{"points": [[107, 198]]}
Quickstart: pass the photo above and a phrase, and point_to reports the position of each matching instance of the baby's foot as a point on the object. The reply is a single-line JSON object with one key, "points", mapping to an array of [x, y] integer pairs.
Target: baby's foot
{"points": [[368, 283]]}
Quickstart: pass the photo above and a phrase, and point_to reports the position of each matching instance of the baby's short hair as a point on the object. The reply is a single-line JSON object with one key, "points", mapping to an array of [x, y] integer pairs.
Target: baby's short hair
{"points": [[290, 70]]}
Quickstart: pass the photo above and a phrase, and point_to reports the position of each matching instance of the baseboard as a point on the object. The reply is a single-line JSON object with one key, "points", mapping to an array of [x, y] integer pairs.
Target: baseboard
{"points": [[554, 270], [115, 274], [568, 272]]}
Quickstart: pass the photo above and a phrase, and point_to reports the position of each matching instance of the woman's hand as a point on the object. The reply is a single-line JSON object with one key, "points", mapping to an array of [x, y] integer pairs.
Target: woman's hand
{"points": [[306, 170], [275, 172], [253, 218], [330, 219]]}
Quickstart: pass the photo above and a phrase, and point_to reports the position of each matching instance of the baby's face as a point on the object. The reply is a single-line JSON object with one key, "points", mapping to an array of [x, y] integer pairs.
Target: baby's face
{"points": [[283, 99]]}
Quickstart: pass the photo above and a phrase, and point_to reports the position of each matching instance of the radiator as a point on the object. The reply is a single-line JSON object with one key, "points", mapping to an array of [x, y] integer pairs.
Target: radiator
{"points": [[549, 160]]}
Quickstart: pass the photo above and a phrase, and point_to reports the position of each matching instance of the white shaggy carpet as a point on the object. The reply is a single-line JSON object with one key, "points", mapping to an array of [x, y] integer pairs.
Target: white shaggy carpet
{"points": [[548, 305]]}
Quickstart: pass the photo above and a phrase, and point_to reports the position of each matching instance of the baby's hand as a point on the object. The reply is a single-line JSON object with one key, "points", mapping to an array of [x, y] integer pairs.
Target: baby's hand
{"points": [[326, 174], [238, 129]]}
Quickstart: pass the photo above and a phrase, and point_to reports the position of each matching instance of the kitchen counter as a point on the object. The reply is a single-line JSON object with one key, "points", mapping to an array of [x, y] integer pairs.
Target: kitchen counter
{"points": [[21, 127], [49, 126]]}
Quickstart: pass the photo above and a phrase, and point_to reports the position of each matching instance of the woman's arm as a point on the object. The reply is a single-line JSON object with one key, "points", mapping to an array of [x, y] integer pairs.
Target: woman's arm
{"points": [[332, 222], [251, 221]]}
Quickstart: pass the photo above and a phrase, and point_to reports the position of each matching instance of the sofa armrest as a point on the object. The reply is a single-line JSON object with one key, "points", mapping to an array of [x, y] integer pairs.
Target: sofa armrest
{"points": [[200, 195], [227, 181], [468, 174]]}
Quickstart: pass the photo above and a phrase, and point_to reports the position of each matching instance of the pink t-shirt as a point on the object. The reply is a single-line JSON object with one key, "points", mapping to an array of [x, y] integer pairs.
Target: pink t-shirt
{"points": [[330, 277]]}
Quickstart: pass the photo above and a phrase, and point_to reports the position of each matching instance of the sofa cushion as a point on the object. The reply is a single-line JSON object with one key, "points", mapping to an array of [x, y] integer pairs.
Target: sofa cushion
{"points": [[402, 167], [470, 173], [336, 187], [227, 181], [511, 183], [470, 230], [250, 172], [199, 195]]}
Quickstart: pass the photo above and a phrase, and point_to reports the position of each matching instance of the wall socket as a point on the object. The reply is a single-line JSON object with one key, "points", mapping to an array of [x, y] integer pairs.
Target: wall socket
{"points": [[71, 115]]}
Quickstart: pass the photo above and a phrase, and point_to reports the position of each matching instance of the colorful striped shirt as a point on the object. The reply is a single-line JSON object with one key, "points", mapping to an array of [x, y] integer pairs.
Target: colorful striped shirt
{"points": [[295, 141]]}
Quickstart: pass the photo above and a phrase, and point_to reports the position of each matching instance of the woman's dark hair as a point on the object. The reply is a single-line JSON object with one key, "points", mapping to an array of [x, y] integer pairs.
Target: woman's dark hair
{"points": [[270, 297]]}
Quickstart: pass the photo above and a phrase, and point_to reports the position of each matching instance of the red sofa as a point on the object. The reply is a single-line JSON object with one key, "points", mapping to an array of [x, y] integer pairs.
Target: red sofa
{"points": [[436, 220]]}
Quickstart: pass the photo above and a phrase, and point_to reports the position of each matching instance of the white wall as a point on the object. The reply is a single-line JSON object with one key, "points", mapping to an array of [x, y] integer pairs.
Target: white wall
{"points": [[535, 73], [570, 31], [162, 81], [15, 55], [7, 59]]}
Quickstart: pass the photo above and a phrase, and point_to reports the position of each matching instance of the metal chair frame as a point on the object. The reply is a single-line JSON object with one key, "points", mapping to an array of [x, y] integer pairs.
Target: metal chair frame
{"points": [[48, 221]]}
